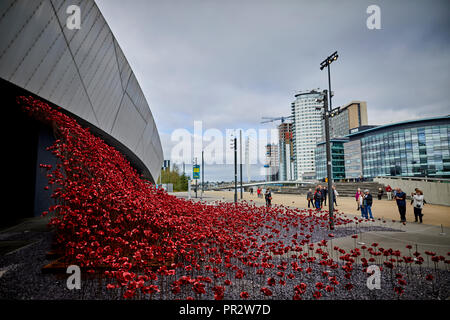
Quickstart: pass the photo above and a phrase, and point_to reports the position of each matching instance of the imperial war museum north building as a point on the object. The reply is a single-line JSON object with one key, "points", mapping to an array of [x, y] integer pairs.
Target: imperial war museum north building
{"points": [[81, 70]]}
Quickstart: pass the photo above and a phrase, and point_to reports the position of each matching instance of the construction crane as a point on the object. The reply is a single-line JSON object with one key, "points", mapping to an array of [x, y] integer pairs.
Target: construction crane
{"points": [[272, 119]]}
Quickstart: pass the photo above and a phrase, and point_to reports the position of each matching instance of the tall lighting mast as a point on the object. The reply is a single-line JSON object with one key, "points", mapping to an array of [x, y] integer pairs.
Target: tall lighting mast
{"points": [[327, 111]]}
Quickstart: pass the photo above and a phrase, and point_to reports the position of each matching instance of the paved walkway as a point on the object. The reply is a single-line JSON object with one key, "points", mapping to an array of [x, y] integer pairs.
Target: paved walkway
{"points": [[433, 214], [428, 236]]}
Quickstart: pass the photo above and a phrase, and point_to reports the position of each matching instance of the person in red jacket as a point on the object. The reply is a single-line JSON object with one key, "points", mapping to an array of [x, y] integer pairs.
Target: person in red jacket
{"points": [[389, 192]]}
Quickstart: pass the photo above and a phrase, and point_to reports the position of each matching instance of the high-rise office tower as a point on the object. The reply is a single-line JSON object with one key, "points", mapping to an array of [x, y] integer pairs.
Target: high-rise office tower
{"points": [[272, 162], [286, 151], [307, 131], [352, 115]]}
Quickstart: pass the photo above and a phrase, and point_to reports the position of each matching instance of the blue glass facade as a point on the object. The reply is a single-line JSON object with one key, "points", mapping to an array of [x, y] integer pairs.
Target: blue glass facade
{"points": [[337, 160], [412, 148]]}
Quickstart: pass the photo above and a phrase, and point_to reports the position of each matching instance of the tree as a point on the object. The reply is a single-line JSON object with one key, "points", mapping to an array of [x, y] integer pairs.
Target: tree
{"points": [[179, 181]]}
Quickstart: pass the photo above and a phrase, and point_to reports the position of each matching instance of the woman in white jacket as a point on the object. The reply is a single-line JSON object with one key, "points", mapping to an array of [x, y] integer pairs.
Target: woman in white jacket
{"points": [[418, 204], [335, 195]]}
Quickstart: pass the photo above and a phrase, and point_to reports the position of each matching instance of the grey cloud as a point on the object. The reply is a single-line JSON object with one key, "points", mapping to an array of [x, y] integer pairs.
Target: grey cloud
{"points": [[231, 62]]}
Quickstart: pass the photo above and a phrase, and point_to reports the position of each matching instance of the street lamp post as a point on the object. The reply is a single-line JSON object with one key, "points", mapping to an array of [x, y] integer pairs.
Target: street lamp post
{"points": [[326, 116], [196, 180], [328, 110], [240, 161], [235, 169], [203, 176]]}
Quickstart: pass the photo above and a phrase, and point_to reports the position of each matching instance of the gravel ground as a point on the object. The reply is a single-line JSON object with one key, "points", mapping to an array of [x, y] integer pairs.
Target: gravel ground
{"points": [[21, 277]]}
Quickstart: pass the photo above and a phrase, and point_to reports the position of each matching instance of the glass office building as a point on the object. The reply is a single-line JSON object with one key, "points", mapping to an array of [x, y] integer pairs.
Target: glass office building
{"points": [[410, 148], [352, 156], [337, 159]]}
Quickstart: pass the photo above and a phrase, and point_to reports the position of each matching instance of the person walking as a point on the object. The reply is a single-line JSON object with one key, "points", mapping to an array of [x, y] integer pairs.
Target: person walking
{"points": [[318, 199], [380, 193], [251, 191], [367, 204], [324, 195], [321, 193], [358, 201], [268, 197], [258, 192], [309, 197], [418, 202], [389, 192], [400, 197], [335, 195], [362, 208]]}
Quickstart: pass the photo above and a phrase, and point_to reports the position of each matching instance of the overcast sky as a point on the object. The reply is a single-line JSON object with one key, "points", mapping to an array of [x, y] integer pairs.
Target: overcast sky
{"points": [[228, 63]]}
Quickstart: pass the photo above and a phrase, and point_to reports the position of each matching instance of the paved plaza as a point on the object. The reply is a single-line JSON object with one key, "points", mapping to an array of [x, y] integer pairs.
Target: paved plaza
{"points": [[433, 214], [428, 236]]}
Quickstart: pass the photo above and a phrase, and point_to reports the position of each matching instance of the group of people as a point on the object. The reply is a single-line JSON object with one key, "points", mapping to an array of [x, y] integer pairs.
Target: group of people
{"points": [[364, 201], [319, 198], [264, 192], [417, 201]]}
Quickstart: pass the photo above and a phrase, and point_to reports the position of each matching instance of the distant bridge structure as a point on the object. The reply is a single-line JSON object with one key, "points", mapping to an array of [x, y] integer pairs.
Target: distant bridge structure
{"points": [[266, 183]]}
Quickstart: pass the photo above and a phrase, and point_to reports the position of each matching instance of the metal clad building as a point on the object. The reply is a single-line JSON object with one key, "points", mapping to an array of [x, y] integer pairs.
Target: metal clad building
{"points": [[84, 71]]}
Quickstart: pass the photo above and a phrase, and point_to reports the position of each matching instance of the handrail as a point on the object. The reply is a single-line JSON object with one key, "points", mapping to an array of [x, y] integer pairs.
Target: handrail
{"points": [[414, 178]]}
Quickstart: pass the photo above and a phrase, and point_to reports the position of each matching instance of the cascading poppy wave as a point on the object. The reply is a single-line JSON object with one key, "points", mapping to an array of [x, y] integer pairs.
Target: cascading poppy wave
{"points": [[109, 219]]}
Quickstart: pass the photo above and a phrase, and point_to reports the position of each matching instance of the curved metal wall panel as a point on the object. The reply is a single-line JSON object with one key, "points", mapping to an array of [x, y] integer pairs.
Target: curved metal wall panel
{"points": [[83, 71]]}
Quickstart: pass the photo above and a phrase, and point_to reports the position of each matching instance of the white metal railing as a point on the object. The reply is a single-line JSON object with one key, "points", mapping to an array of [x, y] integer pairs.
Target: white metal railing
{"points": [[446, 180]]}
